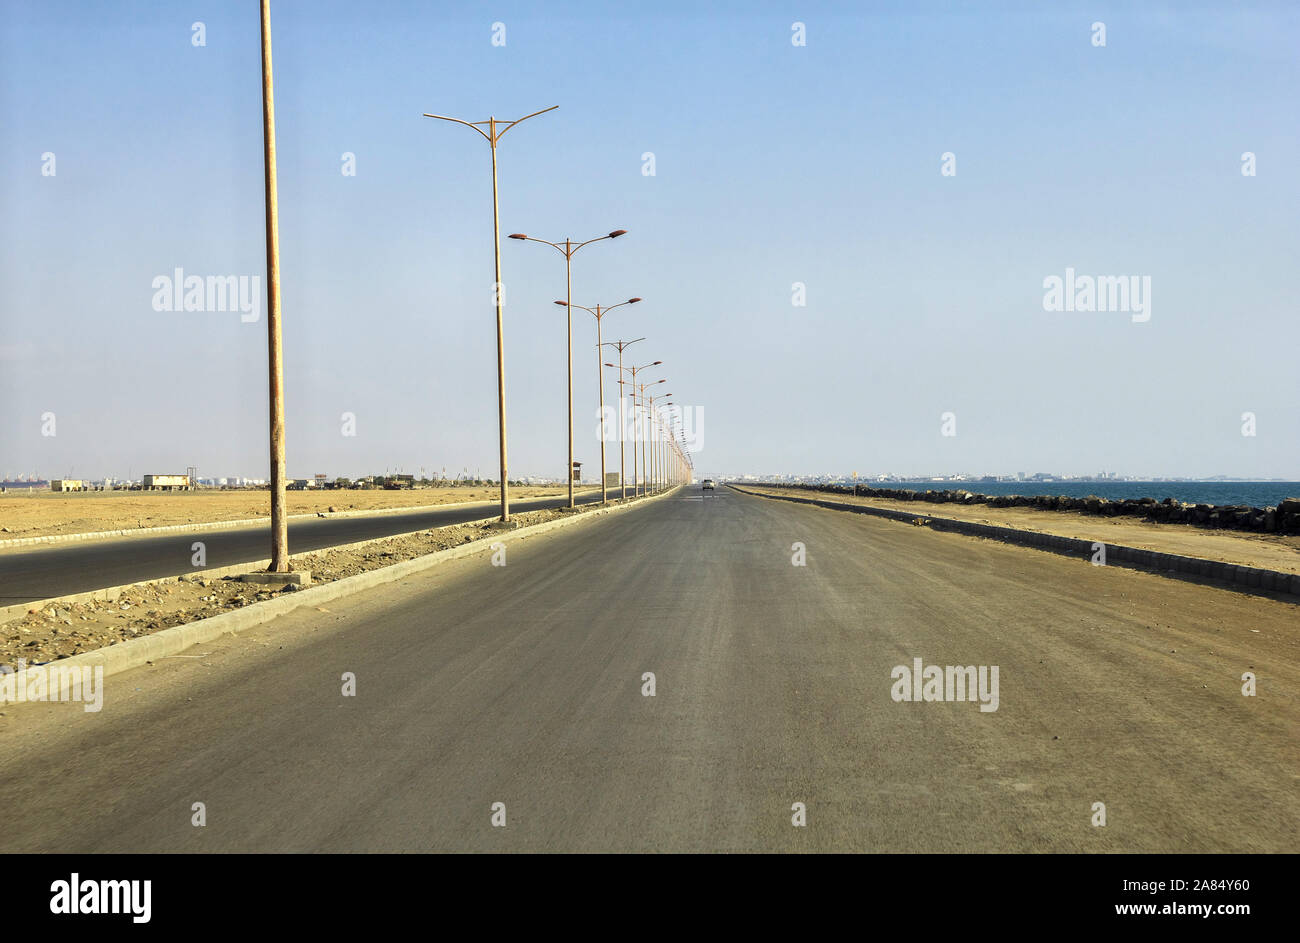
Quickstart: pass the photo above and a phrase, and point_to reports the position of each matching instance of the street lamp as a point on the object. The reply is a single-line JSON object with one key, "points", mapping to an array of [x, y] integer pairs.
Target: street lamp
{"points": [[567, 249], [622, 421], [634, 371], [599, 313], [656, 448], [493, 135], [645, 433]]}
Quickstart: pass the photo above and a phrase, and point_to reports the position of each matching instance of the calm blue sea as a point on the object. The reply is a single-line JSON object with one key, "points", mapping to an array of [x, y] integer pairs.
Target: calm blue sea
{"points": [[1255, 493]]}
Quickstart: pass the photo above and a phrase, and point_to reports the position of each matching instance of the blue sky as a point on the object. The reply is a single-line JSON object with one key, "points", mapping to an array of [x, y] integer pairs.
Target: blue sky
{"points": [[774, 164]]}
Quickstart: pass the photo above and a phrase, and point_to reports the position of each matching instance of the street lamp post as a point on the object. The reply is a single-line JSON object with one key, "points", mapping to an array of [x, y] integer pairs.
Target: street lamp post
{"points": [[279, 518], [599, 312], [636, 418], [493, 136], [622, 420], [644, 433], [656, 449], [567, 249]]}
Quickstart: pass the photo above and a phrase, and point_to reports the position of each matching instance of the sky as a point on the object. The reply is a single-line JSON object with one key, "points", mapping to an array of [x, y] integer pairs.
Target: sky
{"points": [[923, 344]]}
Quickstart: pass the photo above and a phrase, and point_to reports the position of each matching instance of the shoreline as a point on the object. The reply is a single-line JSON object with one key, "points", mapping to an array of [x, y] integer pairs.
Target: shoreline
{"points": [[1273, 551]]}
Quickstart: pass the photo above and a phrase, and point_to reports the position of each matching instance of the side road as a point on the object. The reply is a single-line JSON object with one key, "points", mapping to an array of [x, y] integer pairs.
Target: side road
{"points": [[64, 569]]}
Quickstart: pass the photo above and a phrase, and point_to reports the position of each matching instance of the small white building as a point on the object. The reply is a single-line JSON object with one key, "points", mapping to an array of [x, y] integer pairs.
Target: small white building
{"points": [[67, 484], [167, 483]]}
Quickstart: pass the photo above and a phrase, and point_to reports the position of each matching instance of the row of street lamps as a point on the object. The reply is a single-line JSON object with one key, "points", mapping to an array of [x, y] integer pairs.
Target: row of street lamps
{"points": [[671, 460]]}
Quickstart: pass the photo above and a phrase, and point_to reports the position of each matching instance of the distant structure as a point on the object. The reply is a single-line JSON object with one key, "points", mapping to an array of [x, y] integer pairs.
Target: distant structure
{"points": [[167, 483], [67, 484]]}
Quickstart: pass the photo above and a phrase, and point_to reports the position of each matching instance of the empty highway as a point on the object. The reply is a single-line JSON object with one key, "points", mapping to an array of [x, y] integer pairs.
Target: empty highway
{"points": [[45, 571], [519, 692]]}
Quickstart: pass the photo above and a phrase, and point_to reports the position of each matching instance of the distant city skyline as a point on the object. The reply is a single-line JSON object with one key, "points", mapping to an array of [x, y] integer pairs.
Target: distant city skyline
{"points": [[436, 475]]}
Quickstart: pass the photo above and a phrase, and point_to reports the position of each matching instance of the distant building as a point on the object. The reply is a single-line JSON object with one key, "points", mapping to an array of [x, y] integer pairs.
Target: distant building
{"points": [[67, 484], [166, 483]]}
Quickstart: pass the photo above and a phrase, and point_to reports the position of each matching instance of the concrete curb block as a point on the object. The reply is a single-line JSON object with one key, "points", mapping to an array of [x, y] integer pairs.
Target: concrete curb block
{"points": [[225, 525], [1246, 579], [138, 651]]}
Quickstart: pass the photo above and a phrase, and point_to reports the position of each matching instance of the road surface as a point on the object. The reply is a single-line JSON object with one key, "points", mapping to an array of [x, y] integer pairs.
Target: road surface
{"points": [[523, 685], [62, 569]]}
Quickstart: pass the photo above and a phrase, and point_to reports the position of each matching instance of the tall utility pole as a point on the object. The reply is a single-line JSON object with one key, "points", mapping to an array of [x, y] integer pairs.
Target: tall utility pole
{"points": [[279, 520], [493, 136], [568, 248]]}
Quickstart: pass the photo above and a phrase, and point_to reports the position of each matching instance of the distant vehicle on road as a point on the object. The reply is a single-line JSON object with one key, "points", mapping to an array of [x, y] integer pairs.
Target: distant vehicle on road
{"points": [[707, 485]]}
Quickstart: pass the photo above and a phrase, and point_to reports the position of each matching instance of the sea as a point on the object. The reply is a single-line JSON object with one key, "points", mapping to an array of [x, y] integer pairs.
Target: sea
{"points": [[1254, 493]]}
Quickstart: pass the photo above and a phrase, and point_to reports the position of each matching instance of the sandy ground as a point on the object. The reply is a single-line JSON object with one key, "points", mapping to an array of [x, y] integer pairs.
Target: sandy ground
{"points": [[1270, 551], [55, 632], [45, 512]]}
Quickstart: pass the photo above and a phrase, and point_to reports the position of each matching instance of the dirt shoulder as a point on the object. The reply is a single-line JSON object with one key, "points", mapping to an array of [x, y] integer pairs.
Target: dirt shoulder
{"points": [[45, 513], [1270, 551]]}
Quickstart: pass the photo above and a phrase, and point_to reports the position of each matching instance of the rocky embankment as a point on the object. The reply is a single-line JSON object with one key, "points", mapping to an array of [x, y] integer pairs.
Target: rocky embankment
{"points": [[1283, 519]]}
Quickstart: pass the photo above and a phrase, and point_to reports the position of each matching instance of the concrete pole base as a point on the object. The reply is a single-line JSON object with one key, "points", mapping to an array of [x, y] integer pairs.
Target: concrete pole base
{"points": [[297, 578]]}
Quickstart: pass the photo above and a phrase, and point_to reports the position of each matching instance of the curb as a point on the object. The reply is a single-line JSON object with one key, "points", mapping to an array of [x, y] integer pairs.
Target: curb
{"points": [[138, 651], [1246, 579], [226, 525]]}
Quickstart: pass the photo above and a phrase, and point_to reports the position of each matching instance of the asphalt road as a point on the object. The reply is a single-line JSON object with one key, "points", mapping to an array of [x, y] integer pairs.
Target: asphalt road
{"points": [[67, 568], [523, 685]]}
